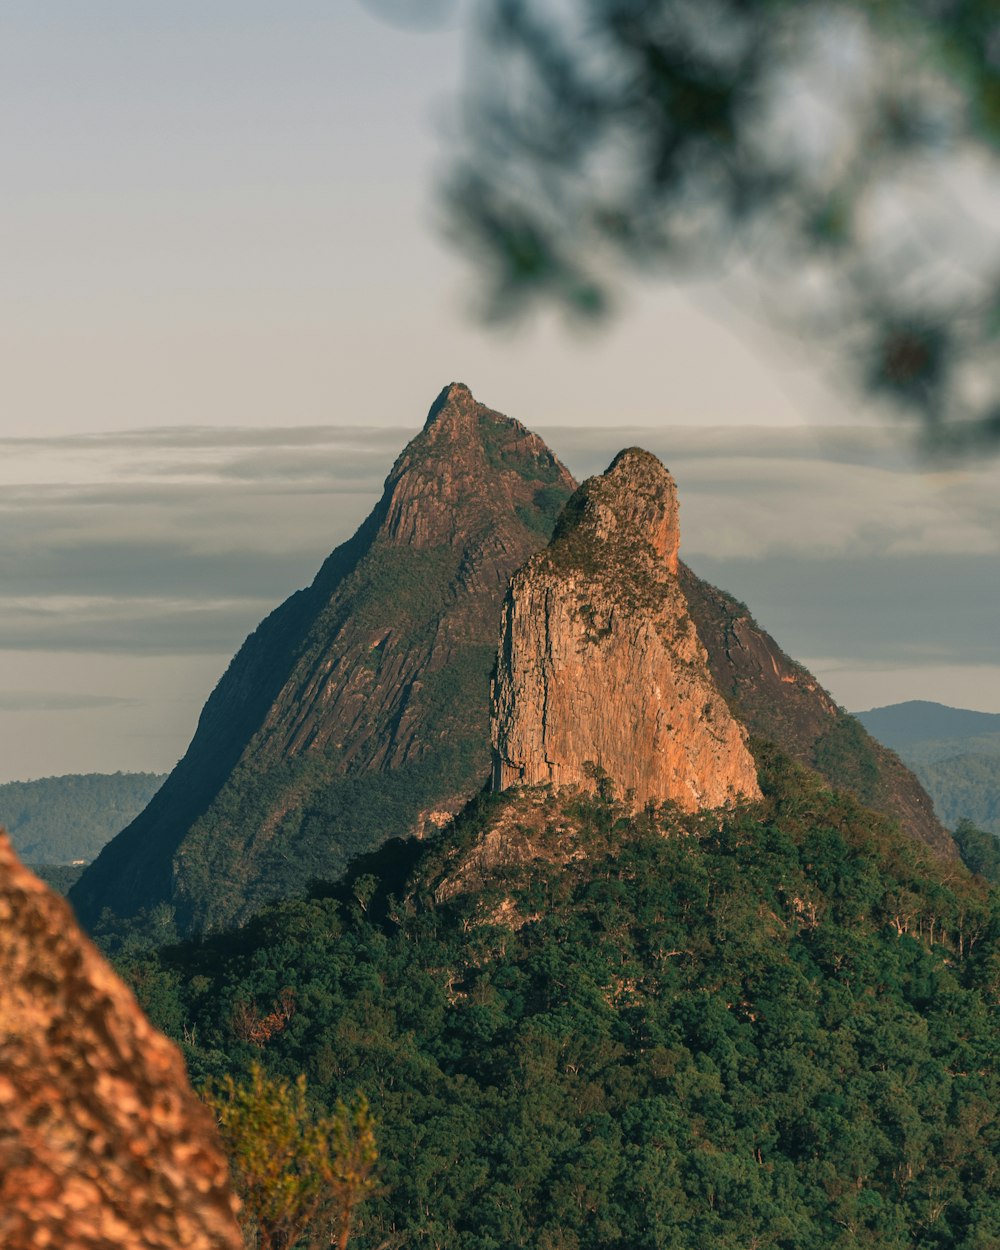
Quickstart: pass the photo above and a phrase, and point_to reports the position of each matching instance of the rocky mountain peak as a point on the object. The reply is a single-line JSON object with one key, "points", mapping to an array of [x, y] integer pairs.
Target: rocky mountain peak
{"points": [[600, 669], [469, 469], [358, 709], [453, 409], [628, 514]]}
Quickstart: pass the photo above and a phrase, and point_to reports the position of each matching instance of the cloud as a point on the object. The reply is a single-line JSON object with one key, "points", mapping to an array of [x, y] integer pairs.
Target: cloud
{"points": [[129, 625], [877, 610], [47, 701], [179, 540]]}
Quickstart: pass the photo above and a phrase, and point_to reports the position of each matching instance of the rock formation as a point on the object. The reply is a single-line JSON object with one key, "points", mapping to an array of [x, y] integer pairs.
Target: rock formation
{"points": [[102, 1142], [600, 670], [359, 709]]}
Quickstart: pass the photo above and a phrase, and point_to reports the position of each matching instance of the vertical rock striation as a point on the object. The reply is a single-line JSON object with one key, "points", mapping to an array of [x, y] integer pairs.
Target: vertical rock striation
{"points": [[102, 1142], [600, 668]]}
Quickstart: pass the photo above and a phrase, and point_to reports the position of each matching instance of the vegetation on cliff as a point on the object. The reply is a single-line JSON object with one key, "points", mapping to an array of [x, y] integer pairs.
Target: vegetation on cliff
{"points": [[772, 1027]]}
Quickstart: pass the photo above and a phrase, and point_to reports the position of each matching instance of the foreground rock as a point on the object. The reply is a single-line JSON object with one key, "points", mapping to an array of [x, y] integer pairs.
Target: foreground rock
{"points": [[600, 669], [102, 1141]]}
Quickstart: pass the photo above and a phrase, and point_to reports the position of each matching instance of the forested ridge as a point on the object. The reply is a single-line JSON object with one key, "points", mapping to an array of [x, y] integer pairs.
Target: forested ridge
{"points": [[575, 1028], [955, 753], [56, 820]]}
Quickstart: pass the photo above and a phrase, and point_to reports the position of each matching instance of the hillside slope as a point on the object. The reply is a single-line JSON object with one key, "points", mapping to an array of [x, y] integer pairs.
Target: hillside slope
{"points": [[580, 1028], [780, 701], [954, 751]]}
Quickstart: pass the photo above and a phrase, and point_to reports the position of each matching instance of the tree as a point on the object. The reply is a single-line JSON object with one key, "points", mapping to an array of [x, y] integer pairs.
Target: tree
{"points": [[763, 135], [300, 1176]]}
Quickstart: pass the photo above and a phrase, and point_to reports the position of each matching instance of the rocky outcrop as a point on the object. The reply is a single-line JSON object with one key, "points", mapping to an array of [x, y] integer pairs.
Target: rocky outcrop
{"points": [[360, 704], [102, 1142], [600, 670]]}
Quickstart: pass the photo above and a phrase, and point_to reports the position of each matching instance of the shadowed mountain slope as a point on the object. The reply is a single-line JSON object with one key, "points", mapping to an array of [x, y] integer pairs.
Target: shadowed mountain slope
{"points": [[359, 708], [779, 700]]}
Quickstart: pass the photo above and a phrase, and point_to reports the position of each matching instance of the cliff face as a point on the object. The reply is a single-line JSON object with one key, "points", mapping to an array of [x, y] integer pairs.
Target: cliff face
{"points": [[600, 668], [359, 709], [102, 1142]]}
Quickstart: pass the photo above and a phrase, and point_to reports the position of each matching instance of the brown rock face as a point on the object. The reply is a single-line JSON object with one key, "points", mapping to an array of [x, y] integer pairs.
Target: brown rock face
{"points": [[600, 666], [102, 1142]]}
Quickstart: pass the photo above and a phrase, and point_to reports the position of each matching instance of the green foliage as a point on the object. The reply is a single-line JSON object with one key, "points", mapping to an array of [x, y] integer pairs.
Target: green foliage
{"points": [[546, 506], [773, 1028], [60, 877], [300, 1176], [845, 757], [980, 850], [57, 820], [704, 171], [964, 787]]}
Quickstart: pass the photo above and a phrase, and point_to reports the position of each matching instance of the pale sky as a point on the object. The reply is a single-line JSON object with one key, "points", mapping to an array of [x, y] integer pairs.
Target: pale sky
{"points": [[226, 306]]}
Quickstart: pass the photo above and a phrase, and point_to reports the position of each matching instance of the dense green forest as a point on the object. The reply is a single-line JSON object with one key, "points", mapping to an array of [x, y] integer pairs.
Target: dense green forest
{"points": [[965, 787], [57, 820], [580, 1029], [954, 752]]}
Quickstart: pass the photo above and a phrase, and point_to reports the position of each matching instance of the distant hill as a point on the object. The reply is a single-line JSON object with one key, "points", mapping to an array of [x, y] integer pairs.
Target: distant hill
{"points": [[57, 820], [954, 751], [903, 725]]}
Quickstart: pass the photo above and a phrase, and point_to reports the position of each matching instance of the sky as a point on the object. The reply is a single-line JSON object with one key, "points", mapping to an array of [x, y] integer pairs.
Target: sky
{"points": [[228, 303]]}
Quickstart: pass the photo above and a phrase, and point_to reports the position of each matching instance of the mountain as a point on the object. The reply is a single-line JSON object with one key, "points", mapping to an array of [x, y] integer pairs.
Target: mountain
{"points": [[955, 753], [56, 820], [600, 671], [904, 725], [652, 992], [102, 1141], [359, 708]]}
